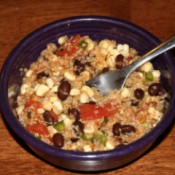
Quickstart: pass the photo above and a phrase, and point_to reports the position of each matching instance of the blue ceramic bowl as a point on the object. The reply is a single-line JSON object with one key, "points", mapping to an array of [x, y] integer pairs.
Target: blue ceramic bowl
{"points": [[98, 28]]}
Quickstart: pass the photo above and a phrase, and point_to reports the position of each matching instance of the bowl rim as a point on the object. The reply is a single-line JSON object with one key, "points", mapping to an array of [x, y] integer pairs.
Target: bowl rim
{"points": [[76, 155]]}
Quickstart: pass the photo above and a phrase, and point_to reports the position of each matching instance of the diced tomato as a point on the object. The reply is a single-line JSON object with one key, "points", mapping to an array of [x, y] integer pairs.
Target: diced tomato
{"points": [[38, 128], [54, 116], [35, 104], [92, 111], [61, 52], [75, 40], [130, 58], [70, 47]]}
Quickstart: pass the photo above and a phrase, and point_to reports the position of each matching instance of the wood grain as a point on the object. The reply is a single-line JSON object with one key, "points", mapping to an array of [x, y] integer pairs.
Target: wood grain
{"points": [[20, 17]]}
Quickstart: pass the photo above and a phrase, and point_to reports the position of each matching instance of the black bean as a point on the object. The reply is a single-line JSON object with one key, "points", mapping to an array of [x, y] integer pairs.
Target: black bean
{"points": [[139, 93], [75, 113], [64, 90], [116, 129], [154, 89], [80, 126], [79, 67], [91, 102], [119, 61], [134, 103], [125, 129], [48, 118], [105, 69], [58, 140], [161, 92], [88, 63], [77, 62], [74, 139], [29, 114], [42, 74]]}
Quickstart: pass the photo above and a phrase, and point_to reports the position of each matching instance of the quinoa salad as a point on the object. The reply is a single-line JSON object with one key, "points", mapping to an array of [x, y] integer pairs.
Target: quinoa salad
{"points": [[56, 106]]}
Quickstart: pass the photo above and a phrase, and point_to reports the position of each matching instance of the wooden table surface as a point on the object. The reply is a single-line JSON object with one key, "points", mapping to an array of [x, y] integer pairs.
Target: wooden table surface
{"points": [[20, 17]]}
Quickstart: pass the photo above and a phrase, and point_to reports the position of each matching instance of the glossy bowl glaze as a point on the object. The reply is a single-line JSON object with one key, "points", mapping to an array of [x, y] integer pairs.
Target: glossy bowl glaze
{"points": [[98, 28]]}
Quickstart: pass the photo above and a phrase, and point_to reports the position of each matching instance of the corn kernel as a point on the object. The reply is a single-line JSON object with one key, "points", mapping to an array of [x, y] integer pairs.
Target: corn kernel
{"points": [[109, 145], [107, 44], [87, 148], [119, 47], [53, 99], [19, 110], [49, 82], [54, 88], [67, 120], [89, 91], [85, 75], [62, 40], [111, 61], [125, 92], [74, 92], [155, 113], [70, 76], [41, 89], [90, 45], [84, 98], [52, 130], [52, 47], [24, 88], [29, 73], [47, 105], [57, 107], [104, 44], [147, 67], [40, 110], [156, 73], [89, 129]]}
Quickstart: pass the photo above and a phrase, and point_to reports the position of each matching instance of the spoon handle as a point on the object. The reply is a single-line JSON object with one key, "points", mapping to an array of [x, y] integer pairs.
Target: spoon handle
{"points": [[164, 46]]}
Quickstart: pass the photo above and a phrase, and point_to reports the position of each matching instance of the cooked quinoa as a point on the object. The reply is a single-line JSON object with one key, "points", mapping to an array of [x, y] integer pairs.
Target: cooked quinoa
{"points": [[57, 107]]}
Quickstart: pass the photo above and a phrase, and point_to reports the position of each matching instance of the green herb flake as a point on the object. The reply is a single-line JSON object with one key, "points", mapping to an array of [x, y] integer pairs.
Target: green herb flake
{"points": [[83, 44]]}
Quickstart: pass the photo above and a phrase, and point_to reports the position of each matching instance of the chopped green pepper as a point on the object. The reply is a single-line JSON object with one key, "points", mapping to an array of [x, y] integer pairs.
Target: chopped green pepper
{"points": [[83, 44], [103, 139], [60, 126], [105, 121], [84, 137], [149, 76], [95, 137]]}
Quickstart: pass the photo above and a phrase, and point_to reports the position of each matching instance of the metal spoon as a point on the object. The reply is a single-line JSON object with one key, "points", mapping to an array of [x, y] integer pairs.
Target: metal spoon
{"points": [[116, 79]]}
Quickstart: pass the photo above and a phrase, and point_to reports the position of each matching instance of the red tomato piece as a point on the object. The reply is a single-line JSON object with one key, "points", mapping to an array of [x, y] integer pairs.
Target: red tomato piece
{"points": [[54, 116], [35, 104], [130, 58], [61, 52], [92, 111], [70, 47], [75, 40], [38, 128]]}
